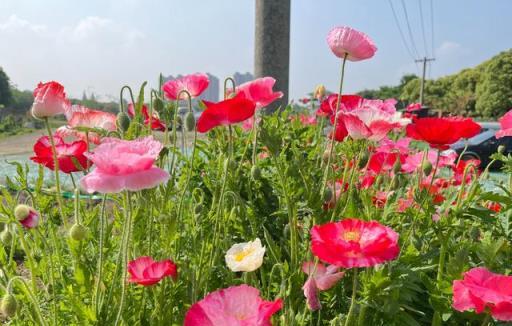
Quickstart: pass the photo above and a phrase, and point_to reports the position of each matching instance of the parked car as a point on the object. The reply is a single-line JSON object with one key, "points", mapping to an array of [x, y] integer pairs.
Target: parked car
{"points": [[483, 145]]}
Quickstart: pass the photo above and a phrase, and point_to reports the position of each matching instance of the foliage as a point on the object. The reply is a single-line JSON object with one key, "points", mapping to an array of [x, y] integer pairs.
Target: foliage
{"points": [[5, 89]]}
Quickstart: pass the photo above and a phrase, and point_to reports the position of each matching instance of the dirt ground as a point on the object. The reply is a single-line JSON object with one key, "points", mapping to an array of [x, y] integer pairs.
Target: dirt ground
{"points": [[19, 144]]}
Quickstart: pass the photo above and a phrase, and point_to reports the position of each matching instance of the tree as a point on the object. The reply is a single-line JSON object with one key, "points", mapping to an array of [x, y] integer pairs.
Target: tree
{"points": [[494, 91], [5, 89]]}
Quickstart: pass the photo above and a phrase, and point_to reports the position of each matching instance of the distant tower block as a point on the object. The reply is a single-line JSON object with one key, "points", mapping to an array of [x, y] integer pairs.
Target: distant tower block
{"points": [[272, 45]]}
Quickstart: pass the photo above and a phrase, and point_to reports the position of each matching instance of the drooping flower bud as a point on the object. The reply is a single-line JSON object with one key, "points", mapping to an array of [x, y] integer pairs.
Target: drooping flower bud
{"points": [[8, 305], [6, 237], [26, 215], [397, 166], [190, 121], [319, 92], [501, 149], [327, 195], [78, 232], [255, 172], [158, 104], [123, 121], [426, 167]]}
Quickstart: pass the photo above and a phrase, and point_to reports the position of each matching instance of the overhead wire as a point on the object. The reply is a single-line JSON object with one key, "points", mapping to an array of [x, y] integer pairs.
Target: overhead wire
{"points": [[415, 49]]}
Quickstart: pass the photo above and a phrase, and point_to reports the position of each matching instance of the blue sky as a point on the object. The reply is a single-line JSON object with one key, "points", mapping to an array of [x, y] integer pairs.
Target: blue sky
{"points": [[99, 45]]}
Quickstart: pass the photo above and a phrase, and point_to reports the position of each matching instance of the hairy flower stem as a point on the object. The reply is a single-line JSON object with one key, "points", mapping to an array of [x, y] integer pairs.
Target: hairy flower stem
{"points": [[332, 152], [351, 314], [30, 261], [56, 170], [51, 277], [99, 275], [30, 295], [255, 140], [127, 229]]}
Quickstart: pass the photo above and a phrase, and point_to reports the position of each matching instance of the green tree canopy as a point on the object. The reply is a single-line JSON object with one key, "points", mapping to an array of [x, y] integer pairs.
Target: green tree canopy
{"points": [[5, 89]]}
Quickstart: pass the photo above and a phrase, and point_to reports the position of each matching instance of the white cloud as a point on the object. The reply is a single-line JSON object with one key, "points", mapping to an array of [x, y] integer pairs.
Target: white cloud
{"points": [[449, 49], [14, 24]]}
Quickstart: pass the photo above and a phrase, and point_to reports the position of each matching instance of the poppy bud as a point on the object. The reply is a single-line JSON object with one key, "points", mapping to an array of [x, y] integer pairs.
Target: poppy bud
{"points": [[319, 92], [6, 237], [228, 164], [501, 149], [327, 195], [286, 231], [363, 160], [122, 121], [255, 172], [190, 121], [21, 212], [397, 166], [198, 209], [158, 104], [26, 215], [78, 232], [325, 156], [8, 305], [426, 167], [395, 183]]}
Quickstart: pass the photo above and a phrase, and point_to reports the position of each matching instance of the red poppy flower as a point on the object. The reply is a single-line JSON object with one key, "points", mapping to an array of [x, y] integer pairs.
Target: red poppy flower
{"points": [[156, 123], [442, 132], [433, 189], [348, 102], [384, 162], [494, 206], [145, 271], [354, 243], [67, 154], [480, 290], [230, 111]]}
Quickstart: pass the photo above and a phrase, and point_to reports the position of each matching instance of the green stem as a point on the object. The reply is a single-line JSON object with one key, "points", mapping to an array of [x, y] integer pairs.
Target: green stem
{"points": [[30, 295], [31, 263], [100, 257], [56, 171], [351, 311], [332, 142], [486, 320]]}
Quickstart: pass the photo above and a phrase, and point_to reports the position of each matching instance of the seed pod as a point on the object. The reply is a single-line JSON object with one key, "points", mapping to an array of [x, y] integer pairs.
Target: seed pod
{"points": [[78, 232], [190, 121], [426, 167], [327, 195], [158, 104], [6, 237], [198, 209], [255, 172], [501, 149], [363, 160], [8, 305], [122, 121]]}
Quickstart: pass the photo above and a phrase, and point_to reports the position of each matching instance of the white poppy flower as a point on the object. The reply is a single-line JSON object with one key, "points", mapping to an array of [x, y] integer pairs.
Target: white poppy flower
{"points": [[246, 256]]}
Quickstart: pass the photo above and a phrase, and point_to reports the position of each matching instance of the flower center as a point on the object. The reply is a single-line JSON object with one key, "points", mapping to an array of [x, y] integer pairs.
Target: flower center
{"points": [[244, 253], [351, 236]]}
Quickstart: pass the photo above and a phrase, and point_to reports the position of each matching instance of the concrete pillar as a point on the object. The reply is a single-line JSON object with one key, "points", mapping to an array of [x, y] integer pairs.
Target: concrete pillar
{"points": [[272, 45]]}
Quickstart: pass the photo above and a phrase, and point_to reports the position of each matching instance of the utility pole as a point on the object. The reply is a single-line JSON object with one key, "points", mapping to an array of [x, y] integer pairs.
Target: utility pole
{"points": [[422, 89]]}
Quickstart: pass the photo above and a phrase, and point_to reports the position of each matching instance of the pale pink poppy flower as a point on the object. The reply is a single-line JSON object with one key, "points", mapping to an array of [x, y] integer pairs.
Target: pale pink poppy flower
{"points": [[234, 306], [481, 290], [371, 122], [260, 91], [307, 120], [413, 162], [81, 116], [321, 278], [195, 84], [124, 165], [506, 125], [404, 204], [356, 45], [400, 146], [49, 100], [413, 107]]}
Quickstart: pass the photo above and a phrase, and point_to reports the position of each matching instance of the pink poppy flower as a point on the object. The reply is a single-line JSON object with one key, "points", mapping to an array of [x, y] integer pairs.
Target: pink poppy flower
{"points": [[413, 162], [401, 146], [195, 84], [124, 165], [354, 243], [227, 112], [321, 278], [145, 271], [156, 123], [80, 116], [506, 125], [480, 290], [339, 187], [70, 156], [307, 120], [371, 122], [49, 100], [27, 216], [413, 107], [404, 204], [234, 306], [260, 91], [380, 198], [356, 45]]}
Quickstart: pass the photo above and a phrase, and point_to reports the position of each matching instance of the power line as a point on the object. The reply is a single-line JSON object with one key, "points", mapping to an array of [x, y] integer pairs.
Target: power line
{"points": [[410, 30], [423, 28], [400, 31], [432, 24]]}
